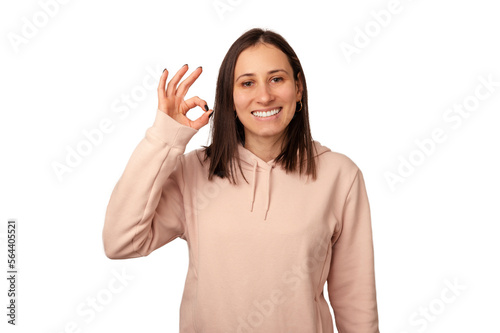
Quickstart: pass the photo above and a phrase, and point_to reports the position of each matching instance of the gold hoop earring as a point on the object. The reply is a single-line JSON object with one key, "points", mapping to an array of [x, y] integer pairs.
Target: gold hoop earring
{"points": [[300, 106]]}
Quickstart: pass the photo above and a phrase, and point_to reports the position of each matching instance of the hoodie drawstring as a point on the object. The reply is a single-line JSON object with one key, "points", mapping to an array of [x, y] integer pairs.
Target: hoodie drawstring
{"points": [[268, 190], [254, 183], [252, 162]]}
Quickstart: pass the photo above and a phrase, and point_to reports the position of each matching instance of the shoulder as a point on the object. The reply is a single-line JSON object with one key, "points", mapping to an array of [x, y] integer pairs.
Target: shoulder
{"points": [[331, 161], [337, 169]]}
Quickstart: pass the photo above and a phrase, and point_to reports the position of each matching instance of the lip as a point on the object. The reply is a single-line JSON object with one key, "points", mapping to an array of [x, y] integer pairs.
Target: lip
{"points": [[268, 118]]}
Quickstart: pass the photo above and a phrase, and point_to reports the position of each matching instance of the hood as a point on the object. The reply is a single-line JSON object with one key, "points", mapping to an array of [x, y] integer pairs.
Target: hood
{"points": [[262, 171]]}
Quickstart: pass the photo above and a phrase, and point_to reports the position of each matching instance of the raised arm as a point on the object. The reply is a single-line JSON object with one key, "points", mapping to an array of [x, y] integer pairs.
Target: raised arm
{"points": [[146, 208]]}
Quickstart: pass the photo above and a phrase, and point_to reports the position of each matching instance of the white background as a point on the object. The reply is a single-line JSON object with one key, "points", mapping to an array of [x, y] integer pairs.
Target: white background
{"points": [[441, 224]]}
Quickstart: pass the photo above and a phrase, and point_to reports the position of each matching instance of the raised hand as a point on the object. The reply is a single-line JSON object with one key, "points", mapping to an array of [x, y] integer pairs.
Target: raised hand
{"points": [[171, 100]]}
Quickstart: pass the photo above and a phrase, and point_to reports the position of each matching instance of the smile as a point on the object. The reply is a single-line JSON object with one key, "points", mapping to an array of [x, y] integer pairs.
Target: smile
{"points": [[265, 114]]}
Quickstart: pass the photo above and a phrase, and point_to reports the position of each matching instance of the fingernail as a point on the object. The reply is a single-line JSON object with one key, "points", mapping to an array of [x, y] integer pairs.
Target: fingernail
{"points": [[200, 67], [211, 114], [185, 65], [164, 70], [206, 107]]}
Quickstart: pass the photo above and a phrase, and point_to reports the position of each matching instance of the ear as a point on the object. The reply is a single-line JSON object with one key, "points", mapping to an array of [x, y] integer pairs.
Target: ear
{"points": [[298, 87]]}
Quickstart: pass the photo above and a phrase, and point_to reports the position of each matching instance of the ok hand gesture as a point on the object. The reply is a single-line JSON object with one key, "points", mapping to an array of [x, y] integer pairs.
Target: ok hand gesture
{"points": [[171, 101]]}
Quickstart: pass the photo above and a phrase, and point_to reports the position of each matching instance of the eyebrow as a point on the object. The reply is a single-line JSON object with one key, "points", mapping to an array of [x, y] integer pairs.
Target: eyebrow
{"points": [[270, 72]]}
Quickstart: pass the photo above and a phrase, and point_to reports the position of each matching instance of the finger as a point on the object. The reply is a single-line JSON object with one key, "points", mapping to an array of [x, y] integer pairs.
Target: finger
{"points": [[186, 84], [202, 120], [172, 85], [194, 102], [161, 85]]}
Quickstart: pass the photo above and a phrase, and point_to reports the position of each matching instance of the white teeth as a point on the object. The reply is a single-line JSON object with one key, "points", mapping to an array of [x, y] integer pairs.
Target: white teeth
{"points": [[264, 114]]}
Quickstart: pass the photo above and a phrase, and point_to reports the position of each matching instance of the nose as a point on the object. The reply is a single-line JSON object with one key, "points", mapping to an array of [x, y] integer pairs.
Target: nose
{"points": [[264, 94]]}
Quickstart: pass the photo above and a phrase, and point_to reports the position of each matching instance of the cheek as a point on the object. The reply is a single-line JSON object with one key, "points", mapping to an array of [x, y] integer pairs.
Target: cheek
{"points": [[288, 93], [240, 99]]}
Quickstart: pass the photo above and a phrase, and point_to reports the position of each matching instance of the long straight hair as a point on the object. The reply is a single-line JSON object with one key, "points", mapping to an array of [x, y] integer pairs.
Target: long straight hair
{"points": [[227, 130]]}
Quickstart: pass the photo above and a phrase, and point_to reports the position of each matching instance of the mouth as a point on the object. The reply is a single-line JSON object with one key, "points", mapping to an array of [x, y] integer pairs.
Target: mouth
{"points": [[266, 114]]}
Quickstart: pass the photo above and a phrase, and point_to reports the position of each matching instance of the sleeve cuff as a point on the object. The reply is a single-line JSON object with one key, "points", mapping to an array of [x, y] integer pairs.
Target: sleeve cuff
{"points": [[170, 131]]}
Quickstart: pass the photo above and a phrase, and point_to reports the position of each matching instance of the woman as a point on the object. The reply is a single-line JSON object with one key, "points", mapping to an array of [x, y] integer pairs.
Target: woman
{"points": [[261, 247]]}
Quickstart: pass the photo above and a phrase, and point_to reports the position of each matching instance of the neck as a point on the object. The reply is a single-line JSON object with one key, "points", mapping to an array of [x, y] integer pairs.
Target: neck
{"points": [[266, 149]]}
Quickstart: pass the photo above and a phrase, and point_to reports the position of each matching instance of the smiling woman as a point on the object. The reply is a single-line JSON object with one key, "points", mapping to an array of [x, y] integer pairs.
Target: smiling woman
{"points": [[261, 105], [260, 251]]}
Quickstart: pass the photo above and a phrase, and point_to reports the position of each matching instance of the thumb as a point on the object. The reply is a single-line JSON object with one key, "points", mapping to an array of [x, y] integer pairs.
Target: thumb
{"points": [[202, 120]]}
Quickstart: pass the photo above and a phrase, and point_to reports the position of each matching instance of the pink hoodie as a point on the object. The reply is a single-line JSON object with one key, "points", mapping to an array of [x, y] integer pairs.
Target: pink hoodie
{"points": [[259, 252]]}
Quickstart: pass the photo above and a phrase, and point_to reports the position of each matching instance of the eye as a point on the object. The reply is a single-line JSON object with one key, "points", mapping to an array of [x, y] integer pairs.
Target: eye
{"points": [[246, 84], [277, 79]]}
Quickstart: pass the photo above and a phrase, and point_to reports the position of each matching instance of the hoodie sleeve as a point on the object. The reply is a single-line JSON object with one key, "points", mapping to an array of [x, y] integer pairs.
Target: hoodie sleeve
{"points": [[146, 209], [351, 280]]}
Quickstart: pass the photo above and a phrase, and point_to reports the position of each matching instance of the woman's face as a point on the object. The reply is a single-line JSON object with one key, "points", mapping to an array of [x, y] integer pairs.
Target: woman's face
{"points": [[264, 85]]}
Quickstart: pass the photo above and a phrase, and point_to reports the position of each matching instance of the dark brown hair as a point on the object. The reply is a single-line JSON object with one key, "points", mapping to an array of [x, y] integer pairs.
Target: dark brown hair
{"points": [[227, 130]]}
